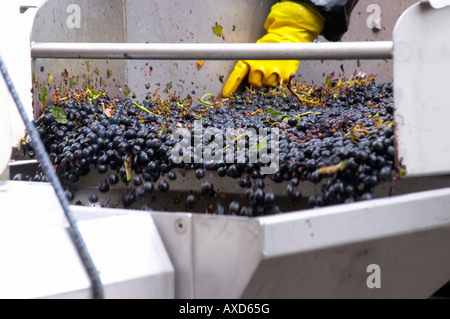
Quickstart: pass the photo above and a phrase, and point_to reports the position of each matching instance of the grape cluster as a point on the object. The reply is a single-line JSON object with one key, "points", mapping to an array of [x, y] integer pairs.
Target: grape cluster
{"points": [[339, 136]]}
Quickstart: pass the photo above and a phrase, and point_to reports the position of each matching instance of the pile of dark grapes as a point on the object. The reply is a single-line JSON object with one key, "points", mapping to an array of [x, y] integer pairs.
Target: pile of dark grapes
{"points": [[339, 136]]}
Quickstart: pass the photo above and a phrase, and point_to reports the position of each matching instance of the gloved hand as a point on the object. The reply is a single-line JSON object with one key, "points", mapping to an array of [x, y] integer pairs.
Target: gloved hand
{"points": [[288, 21]]}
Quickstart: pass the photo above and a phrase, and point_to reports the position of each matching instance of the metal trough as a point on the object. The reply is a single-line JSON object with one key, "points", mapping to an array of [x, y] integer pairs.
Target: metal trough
{"points": [[332, 252]]}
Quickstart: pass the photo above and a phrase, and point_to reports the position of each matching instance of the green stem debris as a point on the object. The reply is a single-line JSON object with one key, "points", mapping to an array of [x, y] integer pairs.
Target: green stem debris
{"points": [[127, 165], [202, 99], [142, 108], [198, 116]]}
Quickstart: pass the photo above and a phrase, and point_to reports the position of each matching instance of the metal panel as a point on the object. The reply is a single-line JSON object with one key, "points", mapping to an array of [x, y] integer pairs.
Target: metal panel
{"points": [[189, 22], [325, 253], [421, 91], [310, 253], [320, 253], [162, 21], [177, 234], [411, 266], [438, 4], [143, 21], [40, 260], [360, 29], [99, 22], [5, 129], [226, 253]]}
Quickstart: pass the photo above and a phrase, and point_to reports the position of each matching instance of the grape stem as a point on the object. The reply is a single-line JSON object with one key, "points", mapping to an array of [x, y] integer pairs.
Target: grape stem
{"points": [[142, 108], [202, 99], [289, 86]]}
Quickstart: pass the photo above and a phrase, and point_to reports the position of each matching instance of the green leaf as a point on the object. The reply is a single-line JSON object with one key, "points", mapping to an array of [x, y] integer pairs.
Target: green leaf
{"points": [[59, 115], [274, 113], [402, 171], [127, 91], [168, 87], [261, 145], [73, 81], [217, 29], [43, 94], [88, 64]]}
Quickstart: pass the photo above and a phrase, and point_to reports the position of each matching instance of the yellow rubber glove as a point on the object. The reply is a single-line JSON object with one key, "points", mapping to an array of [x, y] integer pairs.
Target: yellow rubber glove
{"points": [[288, 21]]}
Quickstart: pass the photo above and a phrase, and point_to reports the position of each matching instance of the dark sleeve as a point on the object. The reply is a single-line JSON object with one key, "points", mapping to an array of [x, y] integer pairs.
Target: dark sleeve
{"points": [[337, 16]]}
